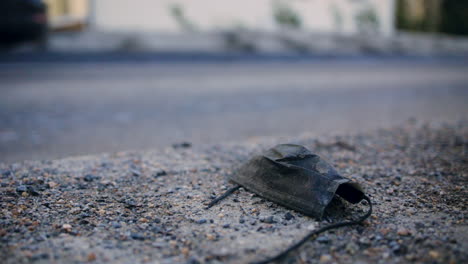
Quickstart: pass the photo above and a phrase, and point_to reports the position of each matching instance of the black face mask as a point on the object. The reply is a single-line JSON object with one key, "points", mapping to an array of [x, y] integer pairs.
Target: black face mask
{"points": [[293, 176]]}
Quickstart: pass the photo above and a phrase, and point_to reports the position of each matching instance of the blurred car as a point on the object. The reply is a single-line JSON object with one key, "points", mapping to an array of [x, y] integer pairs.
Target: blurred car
{"points": [[23, 21]]}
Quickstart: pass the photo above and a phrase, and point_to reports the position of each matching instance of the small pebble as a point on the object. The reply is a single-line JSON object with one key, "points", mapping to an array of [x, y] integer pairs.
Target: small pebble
{"points": [[325, 258], [288, 216], [268, 220], [67, 227], [323, 239], [135, 172], [434, 254], [159, 173], [21, 189], [201, 221], [90, 178], [403, 232], [91, 257], [137, 236]]}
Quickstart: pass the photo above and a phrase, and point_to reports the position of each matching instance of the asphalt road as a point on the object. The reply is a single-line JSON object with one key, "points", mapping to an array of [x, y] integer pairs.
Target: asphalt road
{"points": [[62, 108]]}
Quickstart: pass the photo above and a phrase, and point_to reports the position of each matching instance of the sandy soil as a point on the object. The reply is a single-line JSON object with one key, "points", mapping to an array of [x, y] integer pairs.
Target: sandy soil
{"points": [[148, 207]]}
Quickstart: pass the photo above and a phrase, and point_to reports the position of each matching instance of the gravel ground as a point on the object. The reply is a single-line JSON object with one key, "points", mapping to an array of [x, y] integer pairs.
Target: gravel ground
{"points": [[148, 207]]}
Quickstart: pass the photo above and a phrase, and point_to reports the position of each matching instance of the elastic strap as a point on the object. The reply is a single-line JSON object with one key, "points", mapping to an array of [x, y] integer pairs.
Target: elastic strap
{"points": [[224, 195], [317, 232]]}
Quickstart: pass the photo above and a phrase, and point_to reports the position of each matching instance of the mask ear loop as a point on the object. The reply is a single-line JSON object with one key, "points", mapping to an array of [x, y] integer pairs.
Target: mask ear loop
{"points": [[224, 195], [315, 233]]}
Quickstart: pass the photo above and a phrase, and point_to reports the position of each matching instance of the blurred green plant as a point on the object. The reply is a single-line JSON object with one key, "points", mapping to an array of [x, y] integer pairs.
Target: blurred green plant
{"points": [[337, 17], [178, 14], [366, 19], [285, 16]]}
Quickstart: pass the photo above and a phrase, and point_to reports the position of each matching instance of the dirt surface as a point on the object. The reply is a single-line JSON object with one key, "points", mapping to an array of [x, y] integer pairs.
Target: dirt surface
{"points": [[148, 207]]}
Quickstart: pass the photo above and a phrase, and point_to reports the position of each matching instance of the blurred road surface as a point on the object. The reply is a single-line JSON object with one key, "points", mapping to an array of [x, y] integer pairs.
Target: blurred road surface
{"points": [[62, 108]]}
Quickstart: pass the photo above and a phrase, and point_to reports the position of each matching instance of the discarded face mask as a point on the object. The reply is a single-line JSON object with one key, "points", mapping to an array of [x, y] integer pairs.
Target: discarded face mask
{"points": [[293, 176]]}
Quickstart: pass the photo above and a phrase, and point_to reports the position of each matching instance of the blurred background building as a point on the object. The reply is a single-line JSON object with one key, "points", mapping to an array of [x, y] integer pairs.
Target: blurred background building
{"points": [[270, 26], [342, 16]]}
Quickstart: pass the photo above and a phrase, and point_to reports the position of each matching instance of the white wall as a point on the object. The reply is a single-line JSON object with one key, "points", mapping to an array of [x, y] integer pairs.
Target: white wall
{"points": [[155, 15]]}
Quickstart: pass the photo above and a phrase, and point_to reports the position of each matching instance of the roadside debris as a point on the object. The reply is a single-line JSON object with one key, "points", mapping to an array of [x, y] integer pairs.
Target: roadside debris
{"points": [[27, 190], [293, 176]]}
